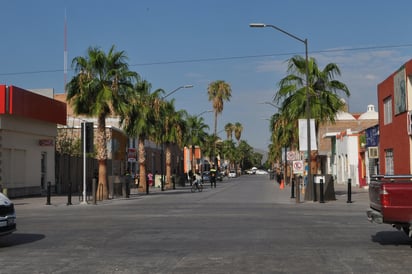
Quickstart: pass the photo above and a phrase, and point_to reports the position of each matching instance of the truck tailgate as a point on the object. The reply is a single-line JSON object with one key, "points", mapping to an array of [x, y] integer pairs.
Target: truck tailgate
{"points": [[393, 200]]}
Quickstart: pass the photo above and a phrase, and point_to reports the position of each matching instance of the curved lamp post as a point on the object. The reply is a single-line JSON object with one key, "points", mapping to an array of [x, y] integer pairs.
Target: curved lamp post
{"points": [[162, 164], [176, 89], [305, 42], [269, 103], [203, 112]]}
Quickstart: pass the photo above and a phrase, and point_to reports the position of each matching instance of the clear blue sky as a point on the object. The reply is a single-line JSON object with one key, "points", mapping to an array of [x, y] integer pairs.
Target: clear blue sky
{"points": [[182, 42]]}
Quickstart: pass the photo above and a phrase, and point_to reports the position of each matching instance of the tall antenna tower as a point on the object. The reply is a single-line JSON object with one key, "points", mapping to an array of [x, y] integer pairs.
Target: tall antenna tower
{"points": [[65, 51]]}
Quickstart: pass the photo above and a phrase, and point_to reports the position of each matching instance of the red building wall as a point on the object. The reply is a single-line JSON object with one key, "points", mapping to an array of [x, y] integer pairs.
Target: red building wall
{"points": [[394, 135]]}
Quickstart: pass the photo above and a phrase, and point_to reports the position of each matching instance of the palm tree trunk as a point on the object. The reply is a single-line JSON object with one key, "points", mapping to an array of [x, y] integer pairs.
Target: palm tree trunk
{"points": [[214, 141], [142, 166], [168, 185], [102, 193]]}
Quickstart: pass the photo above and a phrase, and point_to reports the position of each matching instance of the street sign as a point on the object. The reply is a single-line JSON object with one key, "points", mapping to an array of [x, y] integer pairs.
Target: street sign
{"points": [[131, 155], [290, 156], [298, 167]]}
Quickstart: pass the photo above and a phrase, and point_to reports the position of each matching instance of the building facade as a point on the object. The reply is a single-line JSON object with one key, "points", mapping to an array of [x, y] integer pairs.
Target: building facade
{"points": [[341, 153], [395, 106], [28, 127]]}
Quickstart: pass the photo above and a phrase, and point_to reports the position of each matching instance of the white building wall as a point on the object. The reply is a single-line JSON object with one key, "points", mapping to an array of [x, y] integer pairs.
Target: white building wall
{"points": [[347, 153], [21, 154]]}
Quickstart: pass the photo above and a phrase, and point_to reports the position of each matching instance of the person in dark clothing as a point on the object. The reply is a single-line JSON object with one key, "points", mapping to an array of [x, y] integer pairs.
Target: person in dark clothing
{"points": [[190, 177], [278, 176], [212, 177]]}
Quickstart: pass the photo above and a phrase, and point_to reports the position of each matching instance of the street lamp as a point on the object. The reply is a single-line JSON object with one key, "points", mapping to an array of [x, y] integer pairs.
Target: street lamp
{"points": [[176, 89], [269, 103], [162, 149], [305, 42], [203, 112]]}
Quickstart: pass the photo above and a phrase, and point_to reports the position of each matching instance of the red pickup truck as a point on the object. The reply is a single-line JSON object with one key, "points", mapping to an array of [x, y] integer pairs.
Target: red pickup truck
{"points": [[390, 200]]}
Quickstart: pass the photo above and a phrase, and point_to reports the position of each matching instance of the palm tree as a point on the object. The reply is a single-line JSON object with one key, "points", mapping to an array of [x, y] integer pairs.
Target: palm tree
{"points": [[245, 151], [139, 120], [229, 130], [195, 134], [174, 129], [238, 128], [99, 89], [209, 146], [229, 151], [218, 92], [324, 91], [284, 134]]}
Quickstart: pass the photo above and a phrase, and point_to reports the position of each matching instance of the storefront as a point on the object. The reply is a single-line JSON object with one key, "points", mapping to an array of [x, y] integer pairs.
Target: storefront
{"points": [[28, 127]]}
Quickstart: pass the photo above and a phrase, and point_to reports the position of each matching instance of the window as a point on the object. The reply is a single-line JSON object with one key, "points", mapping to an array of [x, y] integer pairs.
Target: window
{"points": [[389, 169], [387, 111]]}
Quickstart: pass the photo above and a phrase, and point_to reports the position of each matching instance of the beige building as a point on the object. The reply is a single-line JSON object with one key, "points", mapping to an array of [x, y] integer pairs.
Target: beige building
{"points": [[28, 128]]}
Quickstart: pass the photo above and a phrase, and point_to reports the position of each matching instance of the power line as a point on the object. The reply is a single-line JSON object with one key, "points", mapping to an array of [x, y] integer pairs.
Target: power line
{"points": [[215, 59]]}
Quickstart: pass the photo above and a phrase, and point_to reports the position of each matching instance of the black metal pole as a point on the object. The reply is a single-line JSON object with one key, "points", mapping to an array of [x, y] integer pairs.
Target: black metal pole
{"points": [[48, 193], [321, 196], [162, 167], [298, 189], [292, 191], [69, 196], [349, 191], [94, 183], [147, 186]]}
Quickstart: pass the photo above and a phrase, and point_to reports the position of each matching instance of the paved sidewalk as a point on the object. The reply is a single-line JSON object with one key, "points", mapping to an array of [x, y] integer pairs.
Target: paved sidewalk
{"points": [[76, 199], [358, 195]]}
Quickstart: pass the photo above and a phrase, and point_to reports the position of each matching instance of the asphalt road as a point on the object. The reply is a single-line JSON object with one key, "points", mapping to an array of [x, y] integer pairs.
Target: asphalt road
{"points": [[245, 225]]}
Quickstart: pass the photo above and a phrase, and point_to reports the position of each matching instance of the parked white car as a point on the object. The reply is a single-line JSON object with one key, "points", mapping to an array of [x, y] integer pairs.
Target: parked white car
{"points": [[7, 216], [261, 172], [232, 174]]}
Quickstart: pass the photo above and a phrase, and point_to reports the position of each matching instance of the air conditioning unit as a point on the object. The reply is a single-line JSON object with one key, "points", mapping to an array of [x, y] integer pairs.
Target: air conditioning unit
{"points": [[373, 152]]}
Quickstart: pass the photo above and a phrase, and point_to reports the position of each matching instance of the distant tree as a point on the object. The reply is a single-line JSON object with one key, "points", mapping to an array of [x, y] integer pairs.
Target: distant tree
{"points": [[195, 135], [139, 120], [238, 128], [174, 128], [218, 92], [229, 131]]}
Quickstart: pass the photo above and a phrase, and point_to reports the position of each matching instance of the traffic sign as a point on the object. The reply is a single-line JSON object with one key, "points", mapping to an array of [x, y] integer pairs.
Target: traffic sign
{"points": [[131, 155], [298, 167], [290, 156]]}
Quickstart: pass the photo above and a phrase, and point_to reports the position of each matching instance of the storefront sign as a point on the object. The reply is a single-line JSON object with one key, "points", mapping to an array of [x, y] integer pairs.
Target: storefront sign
{"points": [[46, 142]]}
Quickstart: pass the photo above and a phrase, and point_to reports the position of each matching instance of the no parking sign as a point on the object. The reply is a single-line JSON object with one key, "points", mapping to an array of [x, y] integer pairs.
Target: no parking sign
{"points": [[298, 167]]}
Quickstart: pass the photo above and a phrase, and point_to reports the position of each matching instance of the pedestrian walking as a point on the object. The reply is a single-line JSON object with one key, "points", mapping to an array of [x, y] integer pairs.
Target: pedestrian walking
{"points": [[212, 177], [150, 178]]}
